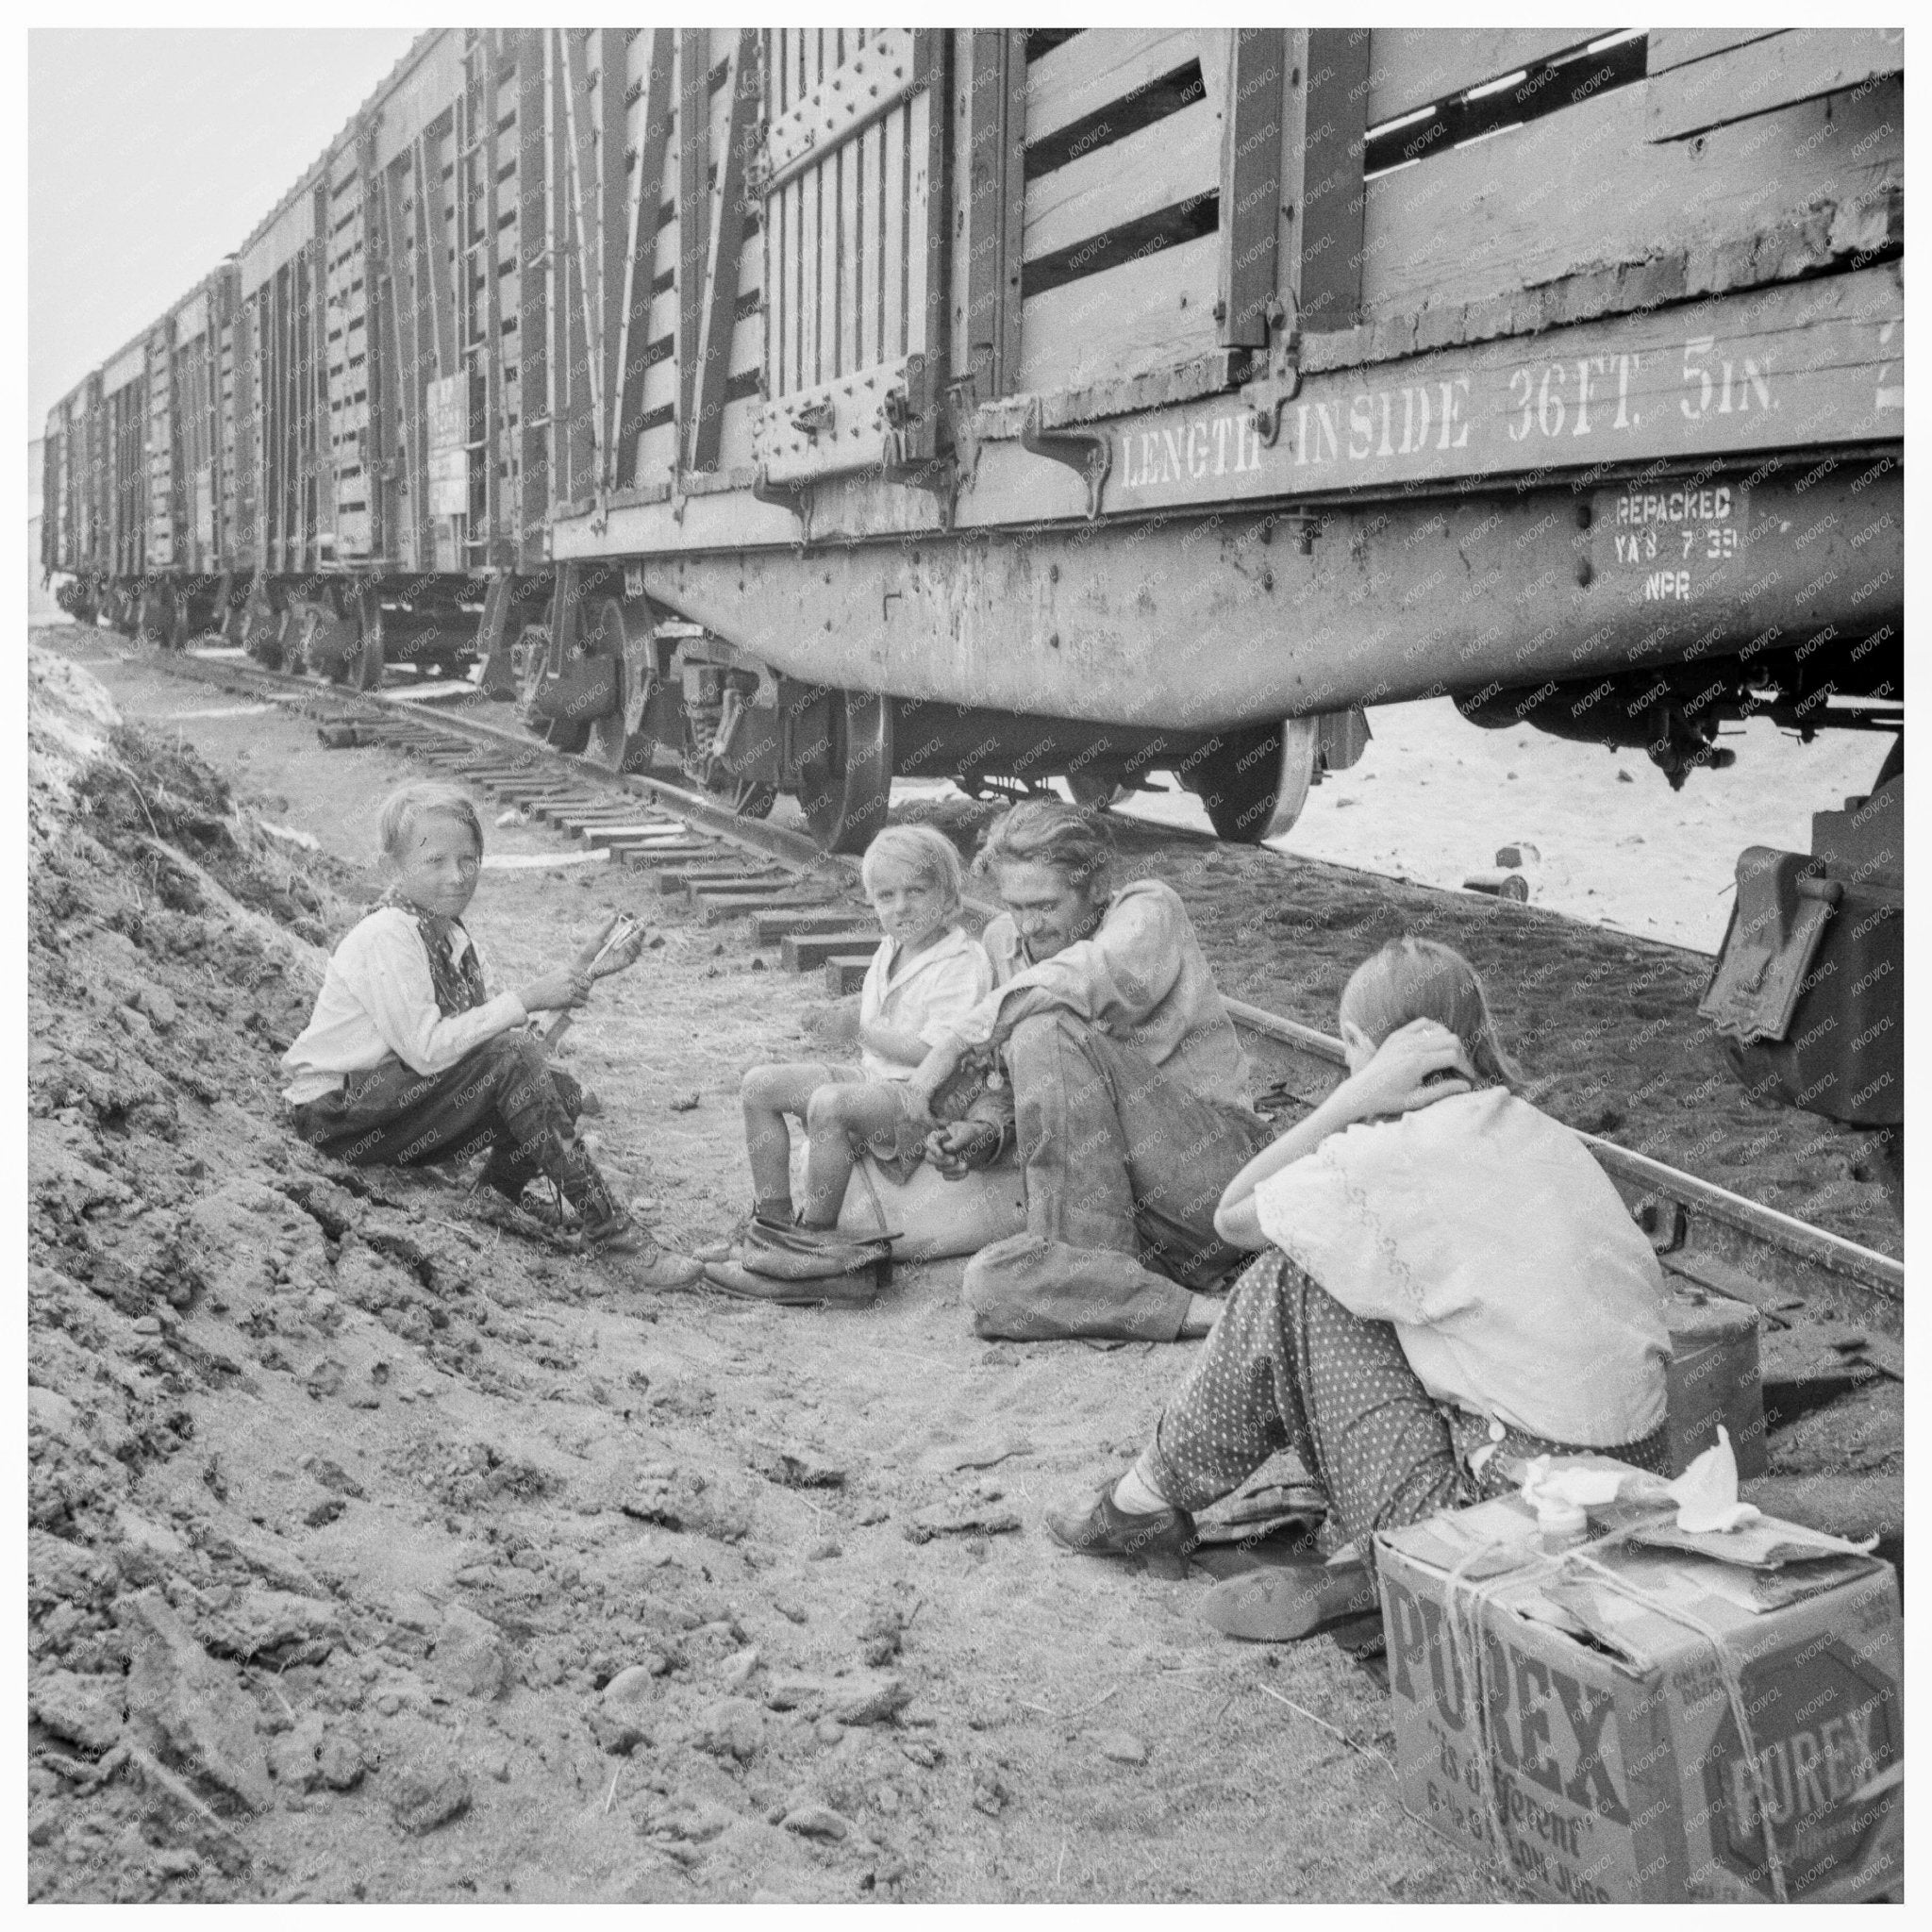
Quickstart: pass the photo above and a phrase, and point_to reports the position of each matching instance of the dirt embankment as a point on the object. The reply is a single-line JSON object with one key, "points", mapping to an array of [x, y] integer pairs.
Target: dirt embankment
{"points": [[378, 1552]]}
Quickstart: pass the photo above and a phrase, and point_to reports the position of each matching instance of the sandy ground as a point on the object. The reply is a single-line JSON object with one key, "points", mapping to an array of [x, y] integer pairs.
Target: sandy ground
{"points": [[413, 1574], [347, 1555], [1433, 798]]}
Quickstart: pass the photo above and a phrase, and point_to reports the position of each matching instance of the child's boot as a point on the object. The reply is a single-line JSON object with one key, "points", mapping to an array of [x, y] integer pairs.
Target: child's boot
{"points": [[608, 1230]]}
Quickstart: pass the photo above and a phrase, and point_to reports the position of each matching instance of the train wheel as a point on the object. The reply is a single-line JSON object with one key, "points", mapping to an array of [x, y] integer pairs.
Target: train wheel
{"points": [[150, 617], [1254, 782], [363, 671], [608, 738], [845, 784], [559, 734], [1096, 791]]}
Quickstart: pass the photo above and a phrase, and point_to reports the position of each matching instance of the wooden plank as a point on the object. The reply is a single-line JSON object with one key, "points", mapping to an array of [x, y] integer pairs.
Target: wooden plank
{"points": [[1173, 160], [1098, 67], [924, 148], [893, 166], [1669, 47], [533, 307], [1132, 318], [376, 446], [811, 263], [404, 348], [499, 550], [1410, 67], [726, 247], [587, 267], [1765, 74], [641, 266], [781, 282], [853, 206], [869, 322], [827, 275], [1252, 126], [1012, 202], [432, 231], [613, 237], [996, 205], [693, 210], [660, 387], [576, 311], [1329, 286], [1587, 188]]}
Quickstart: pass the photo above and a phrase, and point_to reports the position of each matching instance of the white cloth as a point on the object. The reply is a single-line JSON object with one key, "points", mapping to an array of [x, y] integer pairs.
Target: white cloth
{"points": [[1142, 977], [377, 999], [1518, 1285], [925, 996]]}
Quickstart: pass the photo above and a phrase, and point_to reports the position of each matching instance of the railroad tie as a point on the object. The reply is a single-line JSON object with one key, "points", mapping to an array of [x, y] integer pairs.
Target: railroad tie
{"points": [[847, 974], [766, 927], [804, 950]]}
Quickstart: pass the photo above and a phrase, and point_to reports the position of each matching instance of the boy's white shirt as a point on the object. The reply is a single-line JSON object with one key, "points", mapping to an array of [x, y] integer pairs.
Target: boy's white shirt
{"points": [[932, 991], [377, 999]]}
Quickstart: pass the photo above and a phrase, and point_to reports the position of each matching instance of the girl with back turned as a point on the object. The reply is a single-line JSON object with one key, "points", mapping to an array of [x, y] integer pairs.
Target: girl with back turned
{"points": [[1451, 1282]]}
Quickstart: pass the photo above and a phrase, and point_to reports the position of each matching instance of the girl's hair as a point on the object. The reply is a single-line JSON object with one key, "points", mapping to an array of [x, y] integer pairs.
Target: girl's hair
{"points": [[1045, 831], [928, 856], [429, 798], [1422, 979]]}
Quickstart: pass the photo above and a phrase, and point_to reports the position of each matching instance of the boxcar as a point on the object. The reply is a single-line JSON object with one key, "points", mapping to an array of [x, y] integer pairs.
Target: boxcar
{"points": [[795, 408]]}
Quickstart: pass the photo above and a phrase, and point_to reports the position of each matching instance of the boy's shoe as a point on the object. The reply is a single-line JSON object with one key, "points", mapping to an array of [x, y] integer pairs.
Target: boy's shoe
{"points": [[857, 1290], [649, 1265]]}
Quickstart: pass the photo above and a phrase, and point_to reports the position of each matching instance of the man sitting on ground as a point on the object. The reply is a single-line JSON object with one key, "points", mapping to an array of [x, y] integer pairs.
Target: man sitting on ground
{"points": [[1128, 1087], [406, 1058]]}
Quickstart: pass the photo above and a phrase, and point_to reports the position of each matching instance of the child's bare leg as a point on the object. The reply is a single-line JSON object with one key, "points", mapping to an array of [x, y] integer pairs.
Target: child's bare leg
{"points": [[836, 1117], [767, 1094]]}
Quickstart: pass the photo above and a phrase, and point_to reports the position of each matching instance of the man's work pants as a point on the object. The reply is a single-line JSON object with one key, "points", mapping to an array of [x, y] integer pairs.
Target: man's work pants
{"points": [[1125, 1168]]}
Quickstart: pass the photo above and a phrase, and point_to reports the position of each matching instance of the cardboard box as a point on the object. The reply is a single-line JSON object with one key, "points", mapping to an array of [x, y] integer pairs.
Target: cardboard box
{"points": [[1615, 1767]]}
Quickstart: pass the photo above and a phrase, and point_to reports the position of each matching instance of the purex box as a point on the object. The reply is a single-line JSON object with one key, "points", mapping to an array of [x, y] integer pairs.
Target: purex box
{"points": [[1595, 1694]]}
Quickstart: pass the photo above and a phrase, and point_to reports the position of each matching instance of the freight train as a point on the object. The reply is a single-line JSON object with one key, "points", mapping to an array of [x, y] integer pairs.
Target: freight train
{"points": [[799, 407]]}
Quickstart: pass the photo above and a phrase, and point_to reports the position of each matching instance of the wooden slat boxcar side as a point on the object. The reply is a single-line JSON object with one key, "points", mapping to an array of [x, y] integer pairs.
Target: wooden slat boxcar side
{"points": [[791, 336]]}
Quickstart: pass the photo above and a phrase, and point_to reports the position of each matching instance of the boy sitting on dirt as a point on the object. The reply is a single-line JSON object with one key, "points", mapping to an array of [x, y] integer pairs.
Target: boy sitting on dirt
{"points": [[406, 1060], [926, 974]]}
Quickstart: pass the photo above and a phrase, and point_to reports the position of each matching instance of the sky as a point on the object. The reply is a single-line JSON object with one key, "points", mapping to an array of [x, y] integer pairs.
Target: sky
{"points": [[152, 153]]}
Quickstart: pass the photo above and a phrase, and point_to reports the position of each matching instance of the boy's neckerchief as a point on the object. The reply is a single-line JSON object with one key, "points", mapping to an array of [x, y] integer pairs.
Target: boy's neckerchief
{"points": [[459, 983]]}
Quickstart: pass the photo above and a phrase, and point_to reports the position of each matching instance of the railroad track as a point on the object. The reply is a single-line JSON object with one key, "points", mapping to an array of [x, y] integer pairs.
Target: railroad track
{"points": [[1831, 1311]]}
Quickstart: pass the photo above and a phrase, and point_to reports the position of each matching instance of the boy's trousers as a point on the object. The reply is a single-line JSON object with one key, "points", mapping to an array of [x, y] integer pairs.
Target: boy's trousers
{"points": [[505, 1093]]}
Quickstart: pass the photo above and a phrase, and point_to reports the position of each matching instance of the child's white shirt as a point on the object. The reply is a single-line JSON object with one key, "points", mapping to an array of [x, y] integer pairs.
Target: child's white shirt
{"points": [[927, 994], [377, 998]]}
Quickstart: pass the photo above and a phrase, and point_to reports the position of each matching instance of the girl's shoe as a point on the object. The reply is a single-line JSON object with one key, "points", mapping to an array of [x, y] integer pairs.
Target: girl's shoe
{"points": [[726, 1250], [1158, 1540]]}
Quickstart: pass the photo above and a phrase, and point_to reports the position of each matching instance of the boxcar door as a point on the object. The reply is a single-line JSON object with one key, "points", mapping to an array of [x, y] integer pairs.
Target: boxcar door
{"points": [[854, 221]]}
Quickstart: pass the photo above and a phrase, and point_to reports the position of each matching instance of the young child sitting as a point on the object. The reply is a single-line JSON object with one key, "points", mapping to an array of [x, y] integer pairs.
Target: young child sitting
{"points": [[407, 1058], [926, 973]]}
